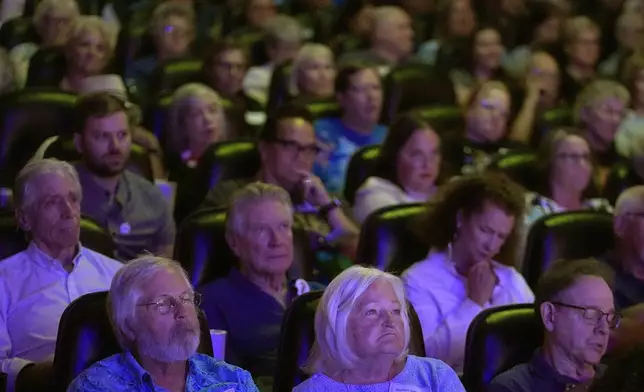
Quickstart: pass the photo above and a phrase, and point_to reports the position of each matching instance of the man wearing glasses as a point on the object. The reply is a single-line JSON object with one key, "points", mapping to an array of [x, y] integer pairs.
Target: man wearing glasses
{"points": [[153, 311], [574, 301]]}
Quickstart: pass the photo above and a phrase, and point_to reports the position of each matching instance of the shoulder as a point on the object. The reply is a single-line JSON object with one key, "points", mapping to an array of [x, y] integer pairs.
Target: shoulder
{"points": [[327, 128], [102, 376], [144, 188], [378, 184], [13, 264], [101, 260], [515, 379], [219, 370], [424, 269], [217, 287], [434, 367]]}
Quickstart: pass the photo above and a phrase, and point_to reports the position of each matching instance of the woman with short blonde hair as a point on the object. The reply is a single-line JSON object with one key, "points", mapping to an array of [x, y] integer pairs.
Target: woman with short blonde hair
{"points": [[362, 335], [313, 72]]}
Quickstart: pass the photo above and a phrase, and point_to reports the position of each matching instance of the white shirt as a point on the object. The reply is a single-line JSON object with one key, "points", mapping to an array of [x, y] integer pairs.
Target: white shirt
{"points": [[34, 291], [377, 193], [439, 296]]}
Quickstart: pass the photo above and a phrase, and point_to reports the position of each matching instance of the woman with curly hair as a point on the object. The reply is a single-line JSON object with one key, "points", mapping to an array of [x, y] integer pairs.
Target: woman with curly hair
{"points": [[471, 228]]}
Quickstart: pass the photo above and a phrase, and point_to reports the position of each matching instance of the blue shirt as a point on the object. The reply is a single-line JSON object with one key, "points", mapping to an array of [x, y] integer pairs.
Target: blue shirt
{"points": [[252, 318], [426, 374], [122, 373], [339, 144]]}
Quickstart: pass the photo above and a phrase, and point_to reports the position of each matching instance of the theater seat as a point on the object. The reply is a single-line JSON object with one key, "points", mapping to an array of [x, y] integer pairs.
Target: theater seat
{"points": [[17, 31], [202, 249], [557, 117], [139, 162], [621, 177], [224, 161], [360, 167], [278, 91], [568, 235], [498, 339], [442, 119], [521, 167], [298, 335], [169, 76], [46, 68], [3, 382], [85, 336], [13, 240], [387, 241], [324, 108]]}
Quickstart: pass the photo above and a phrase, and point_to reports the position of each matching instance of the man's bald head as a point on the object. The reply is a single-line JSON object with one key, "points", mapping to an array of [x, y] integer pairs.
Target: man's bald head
{"points": [[631, 201], [392, 30]]}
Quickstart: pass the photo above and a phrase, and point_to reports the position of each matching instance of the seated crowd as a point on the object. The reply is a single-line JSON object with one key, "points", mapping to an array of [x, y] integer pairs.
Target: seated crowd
{"points": [[216, 166]]}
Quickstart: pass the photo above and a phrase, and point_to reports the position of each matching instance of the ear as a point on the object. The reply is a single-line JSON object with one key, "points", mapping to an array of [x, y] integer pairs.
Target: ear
{"points": [[78, 142], [548, 316], [128, 331], [23, 221], [233, 244], [619, 226]]}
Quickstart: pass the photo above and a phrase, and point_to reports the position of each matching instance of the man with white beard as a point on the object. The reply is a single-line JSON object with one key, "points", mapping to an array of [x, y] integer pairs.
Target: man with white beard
{"points": [[153, 311]]}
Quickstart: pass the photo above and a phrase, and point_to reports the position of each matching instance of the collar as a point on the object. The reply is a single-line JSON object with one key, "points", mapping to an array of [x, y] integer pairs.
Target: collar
{"points": [[123, 191], [542, 369], [44, 260], [296, 286], [138, 373]]}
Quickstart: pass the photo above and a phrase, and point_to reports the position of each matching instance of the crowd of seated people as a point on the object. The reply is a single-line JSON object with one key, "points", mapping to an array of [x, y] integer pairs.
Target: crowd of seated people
{"points": [[473, 124]]}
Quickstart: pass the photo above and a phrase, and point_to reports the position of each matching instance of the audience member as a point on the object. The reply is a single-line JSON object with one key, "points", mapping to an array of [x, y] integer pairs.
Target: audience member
{"points": [[283, 37], [313, 73], [251, 301], [599, 109], [256, 14], [574, 303], [627, 260], [173, 30], [629, 32], [392, 40], [406, 170], [53, 20], [362, 332], [288, 148], [88, 51], [581, 39], [131, 208], [36, 285], [471, 223], [631, 129], [153, 312], [359, 92], [455, 19], [565, 177]]}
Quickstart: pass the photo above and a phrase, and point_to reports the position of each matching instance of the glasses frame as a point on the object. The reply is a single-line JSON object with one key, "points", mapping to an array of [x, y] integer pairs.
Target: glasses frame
{"points": [[173, 302], [616, 317]]}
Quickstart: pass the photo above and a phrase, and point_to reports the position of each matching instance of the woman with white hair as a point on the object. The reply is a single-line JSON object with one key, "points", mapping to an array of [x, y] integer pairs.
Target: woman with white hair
{"points": [[88, 51], [313, 73], [362, 335]]}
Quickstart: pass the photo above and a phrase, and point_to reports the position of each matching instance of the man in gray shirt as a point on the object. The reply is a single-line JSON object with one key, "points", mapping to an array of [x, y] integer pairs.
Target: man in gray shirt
{"points": [[130, 207]]}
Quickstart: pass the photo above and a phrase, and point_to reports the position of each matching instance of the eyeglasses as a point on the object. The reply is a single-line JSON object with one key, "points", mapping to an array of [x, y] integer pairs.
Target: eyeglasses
{"points": [[577, 158], [292, 147], [165, 305], [594, 315]]}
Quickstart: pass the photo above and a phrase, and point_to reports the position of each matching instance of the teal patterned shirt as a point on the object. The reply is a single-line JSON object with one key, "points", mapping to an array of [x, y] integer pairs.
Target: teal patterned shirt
{"points": [[122, 373]]}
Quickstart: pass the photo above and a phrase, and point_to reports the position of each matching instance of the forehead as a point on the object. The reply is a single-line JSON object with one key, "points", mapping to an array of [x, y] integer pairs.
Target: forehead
{"points": [[544, 61], [494, 94], [114, 122], [296, 129], [365, 76], [588, 33], [165, 282], [232, 54], [572, 143], [267, 212], [493, 214], [176, 19], [55, 183], [200, 101], [487, 35], [589, 291], [379, 290], [423, 135]]}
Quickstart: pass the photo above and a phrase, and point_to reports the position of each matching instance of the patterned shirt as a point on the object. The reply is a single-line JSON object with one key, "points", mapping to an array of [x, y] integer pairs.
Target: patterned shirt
{"points": [[419, 374], [122, 373], [339, 144]]}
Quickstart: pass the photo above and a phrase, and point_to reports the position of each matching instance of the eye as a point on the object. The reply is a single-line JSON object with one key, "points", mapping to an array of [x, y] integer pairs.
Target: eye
{"points": [[397, 311], [371, 312]]}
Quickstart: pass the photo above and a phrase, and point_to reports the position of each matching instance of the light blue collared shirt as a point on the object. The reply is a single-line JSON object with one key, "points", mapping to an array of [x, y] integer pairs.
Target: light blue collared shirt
{"points": [[122, 373], [35, 289]]}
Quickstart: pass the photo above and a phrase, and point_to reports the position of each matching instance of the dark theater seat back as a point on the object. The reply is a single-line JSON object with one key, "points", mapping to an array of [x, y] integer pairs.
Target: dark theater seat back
{"points": [[361, 165], [497, 340], [387, 241], [298, 335], [568, 235], [85, 336], [521, 167]]}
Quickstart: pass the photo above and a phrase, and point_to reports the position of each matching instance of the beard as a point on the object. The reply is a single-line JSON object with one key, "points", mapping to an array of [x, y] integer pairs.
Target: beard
{"points": [[182, 343], [102, 170]]}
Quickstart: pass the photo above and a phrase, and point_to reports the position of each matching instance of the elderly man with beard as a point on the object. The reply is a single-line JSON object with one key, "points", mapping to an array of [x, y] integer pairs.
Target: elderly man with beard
{"points": [[131, 208], [153, 311]]}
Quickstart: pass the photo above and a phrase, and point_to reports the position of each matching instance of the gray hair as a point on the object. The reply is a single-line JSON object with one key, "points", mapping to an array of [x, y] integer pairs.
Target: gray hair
{"points": [[26, 187], [629, 200], [45, 7], [182, 99], [307, 53], [125, 291], [331, 352], [256, 192], [171, 8], [597, 91], [84, 23], [283, 28]]}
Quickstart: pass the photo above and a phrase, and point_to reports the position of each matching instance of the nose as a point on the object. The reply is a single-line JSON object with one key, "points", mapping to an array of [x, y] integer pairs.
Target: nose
{"points": [[180, 309], [387, 319]]}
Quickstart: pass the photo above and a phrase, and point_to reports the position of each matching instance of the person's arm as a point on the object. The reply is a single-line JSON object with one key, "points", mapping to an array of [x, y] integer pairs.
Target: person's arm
{"points": [[523, 125], [9, 365], [448, 379], [165, 236]]}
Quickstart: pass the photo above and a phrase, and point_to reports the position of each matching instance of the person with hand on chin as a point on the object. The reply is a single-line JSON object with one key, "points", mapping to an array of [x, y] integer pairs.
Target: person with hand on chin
{"points": [[471, 228]]}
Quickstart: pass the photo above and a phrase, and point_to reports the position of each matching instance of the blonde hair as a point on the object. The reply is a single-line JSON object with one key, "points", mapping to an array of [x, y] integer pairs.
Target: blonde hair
{"points": [[182, 99], [307, 54], [83, 24], [595, 92], [170, 8], [575, 26], [331, 351]]}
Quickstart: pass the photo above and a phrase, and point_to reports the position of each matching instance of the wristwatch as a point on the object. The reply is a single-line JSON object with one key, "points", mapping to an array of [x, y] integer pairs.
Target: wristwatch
{"points": [[324, 211]]}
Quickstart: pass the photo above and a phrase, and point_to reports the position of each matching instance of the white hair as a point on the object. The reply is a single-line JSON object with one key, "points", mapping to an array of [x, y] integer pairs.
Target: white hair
{"points": [[84, 23], [307, 54], [26, 186], [256, 192], [331, 352], [630, 200], [182, 99], [45, 7], [125, 291], [283, 28]]}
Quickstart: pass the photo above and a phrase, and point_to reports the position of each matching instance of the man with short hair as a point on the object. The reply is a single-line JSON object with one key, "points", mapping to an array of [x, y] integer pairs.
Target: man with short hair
{"points": [[36, 285], [574, 302], [153, 311], [251, 301], [130, 207], [359, 91]]}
